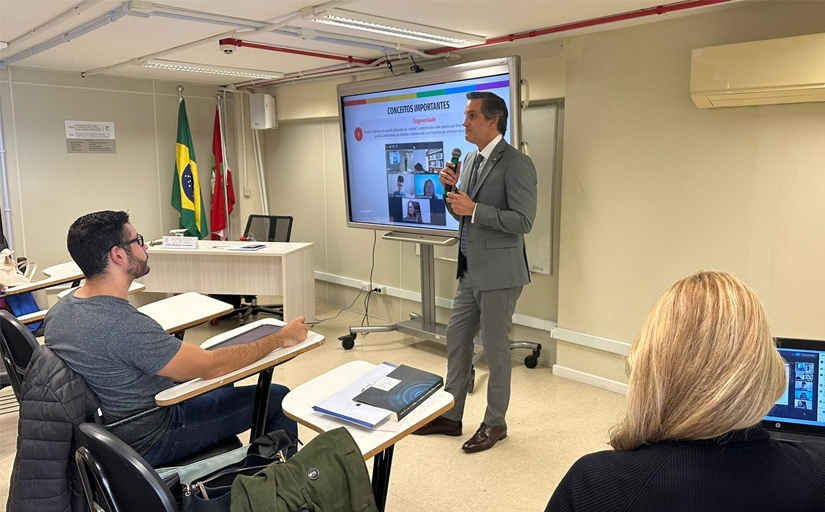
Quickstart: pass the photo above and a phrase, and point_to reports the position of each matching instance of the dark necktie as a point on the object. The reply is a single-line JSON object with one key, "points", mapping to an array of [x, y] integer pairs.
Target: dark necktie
{"points": [[473, 175]]}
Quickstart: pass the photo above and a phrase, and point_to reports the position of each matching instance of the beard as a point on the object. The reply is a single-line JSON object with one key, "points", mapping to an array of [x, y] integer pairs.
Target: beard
{"points": [[137, 268]]}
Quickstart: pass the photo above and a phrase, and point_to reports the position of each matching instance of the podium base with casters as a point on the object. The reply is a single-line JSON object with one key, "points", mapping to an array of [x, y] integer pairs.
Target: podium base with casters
{"points": [[415, 326], [424, 325]]}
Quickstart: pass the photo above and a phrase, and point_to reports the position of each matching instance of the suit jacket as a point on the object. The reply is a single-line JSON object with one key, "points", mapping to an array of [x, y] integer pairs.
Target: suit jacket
{"points": [[505, 197]]}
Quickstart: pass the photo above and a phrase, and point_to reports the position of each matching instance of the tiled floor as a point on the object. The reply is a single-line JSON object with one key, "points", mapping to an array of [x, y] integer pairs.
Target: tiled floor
{"points": [[551, 422]]}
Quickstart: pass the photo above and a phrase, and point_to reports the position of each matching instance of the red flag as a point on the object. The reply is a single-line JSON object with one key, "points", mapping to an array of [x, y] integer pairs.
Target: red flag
{"points": [[219, 216]]}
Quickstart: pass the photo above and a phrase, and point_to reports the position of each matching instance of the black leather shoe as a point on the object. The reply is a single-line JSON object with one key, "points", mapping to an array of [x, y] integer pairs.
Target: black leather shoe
{"points": [[484, 438], [440, 425]]}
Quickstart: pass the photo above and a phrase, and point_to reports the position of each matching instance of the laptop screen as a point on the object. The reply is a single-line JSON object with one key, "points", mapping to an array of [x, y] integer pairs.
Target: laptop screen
{"points": [[801, 408]]}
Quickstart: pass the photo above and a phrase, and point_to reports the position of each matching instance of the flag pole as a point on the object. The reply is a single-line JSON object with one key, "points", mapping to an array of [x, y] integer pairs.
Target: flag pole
{"points": [[224, 166], [180, 93]]}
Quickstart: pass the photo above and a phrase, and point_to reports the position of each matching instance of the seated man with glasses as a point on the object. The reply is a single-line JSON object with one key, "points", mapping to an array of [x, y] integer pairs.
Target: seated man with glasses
{"points": [[127, 358]]}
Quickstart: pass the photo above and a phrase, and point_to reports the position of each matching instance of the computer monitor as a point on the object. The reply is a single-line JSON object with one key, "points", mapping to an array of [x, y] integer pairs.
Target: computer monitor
{"points": [[801, 408]]}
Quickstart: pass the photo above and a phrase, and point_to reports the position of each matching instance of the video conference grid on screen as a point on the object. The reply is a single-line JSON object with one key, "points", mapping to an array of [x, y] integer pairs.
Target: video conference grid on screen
{"points": [[804, 399], [396, 143]]}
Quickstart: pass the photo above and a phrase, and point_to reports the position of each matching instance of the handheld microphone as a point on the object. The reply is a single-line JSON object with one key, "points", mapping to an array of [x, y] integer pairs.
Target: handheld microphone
{"points": [[456, 158]]}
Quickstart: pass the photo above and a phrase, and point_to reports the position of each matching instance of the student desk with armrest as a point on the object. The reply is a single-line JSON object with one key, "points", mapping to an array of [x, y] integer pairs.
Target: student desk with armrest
{"points": [[40, 315], [263, 367], [180, 312], [377, 442], [55, 275], [175, 314], [63, 273]]}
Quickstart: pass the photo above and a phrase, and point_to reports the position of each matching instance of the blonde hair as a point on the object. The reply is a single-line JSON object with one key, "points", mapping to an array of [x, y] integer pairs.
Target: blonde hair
{"points": [[704, 364]]}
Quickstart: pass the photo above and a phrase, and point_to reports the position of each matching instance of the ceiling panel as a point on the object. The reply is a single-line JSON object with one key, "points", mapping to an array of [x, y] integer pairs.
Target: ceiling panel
{"points": [[125, 39], [132, 37], [493, 18], [18, 17]]}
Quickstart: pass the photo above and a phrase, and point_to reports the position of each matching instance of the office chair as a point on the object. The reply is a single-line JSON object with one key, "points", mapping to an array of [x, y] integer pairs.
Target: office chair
{"points": [[17, 344], [115, 478], [8, 403], [264, 228], [268, 228], [4, 376]]}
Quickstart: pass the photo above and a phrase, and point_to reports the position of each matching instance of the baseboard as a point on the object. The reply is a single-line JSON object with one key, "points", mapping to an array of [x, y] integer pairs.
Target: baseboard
{"points": [[591, 341], [590, 379], [541, 324]]}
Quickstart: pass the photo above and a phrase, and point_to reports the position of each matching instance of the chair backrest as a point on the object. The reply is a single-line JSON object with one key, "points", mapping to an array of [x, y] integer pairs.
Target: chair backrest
{"points": [[269, 228], [4, 373], [96, 487], [17, 344], [114, 475]]}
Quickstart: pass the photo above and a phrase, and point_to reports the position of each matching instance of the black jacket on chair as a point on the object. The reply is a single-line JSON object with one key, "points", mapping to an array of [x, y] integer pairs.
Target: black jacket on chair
{"points": [[54, 402]]}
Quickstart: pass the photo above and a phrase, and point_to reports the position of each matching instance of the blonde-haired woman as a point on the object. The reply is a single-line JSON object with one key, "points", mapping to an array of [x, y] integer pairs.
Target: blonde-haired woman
{"points": [[703, 372]]}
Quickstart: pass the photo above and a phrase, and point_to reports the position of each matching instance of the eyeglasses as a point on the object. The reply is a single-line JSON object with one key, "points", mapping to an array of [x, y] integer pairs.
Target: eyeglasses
{"points": [[138, 240]]}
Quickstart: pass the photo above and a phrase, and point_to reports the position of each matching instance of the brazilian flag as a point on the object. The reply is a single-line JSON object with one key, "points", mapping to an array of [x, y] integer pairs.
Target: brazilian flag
{"points": [[186, 191]]}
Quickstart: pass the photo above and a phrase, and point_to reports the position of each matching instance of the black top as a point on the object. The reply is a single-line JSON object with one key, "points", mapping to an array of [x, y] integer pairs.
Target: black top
{"points": [[743, 470]]}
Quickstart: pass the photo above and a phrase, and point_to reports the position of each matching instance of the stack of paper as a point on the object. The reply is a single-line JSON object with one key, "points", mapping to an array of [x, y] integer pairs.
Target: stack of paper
{"points": [[342, 406]]}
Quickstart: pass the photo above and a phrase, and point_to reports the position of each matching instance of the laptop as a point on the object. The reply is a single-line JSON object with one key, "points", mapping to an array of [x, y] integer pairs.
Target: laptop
{"points": [[799, 414]]}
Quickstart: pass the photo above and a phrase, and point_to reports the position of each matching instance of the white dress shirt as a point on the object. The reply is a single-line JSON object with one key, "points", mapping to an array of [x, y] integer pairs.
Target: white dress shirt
{"points": [[486, 152]]}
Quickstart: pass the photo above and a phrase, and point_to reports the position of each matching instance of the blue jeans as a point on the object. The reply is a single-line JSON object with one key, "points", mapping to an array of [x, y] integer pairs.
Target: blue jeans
{"points": [[209, 418]]}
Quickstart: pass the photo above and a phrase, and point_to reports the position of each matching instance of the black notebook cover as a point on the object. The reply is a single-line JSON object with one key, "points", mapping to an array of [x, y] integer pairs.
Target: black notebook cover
{"points": [[249, 336], [414, 387]]}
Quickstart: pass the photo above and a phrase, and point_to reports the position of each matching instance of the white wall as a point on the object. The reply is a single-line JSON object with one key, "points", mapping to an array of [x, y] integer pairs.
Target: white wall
{"points": [[652, 188], [49, 188], [655, 188]]}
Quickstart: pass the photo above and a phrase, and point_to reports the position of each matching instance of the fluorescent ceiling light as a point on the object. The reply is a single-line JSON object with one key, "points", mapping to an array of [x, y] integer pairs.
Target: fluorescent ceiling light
{"points": [[191, 67], [389, 27]]}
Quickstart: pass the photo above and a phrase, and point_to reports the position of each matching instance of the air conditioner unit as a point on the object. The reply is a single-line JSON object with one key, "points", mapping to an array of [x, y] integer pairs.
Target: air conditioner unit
{"points": [[786, 70]]}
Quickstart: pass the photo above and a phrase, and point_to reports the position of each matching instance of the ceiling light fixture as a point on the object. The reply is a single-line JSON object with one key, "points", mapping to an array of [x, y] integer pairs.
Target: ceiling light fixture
{"points": [[192, 67], [390, 27]]}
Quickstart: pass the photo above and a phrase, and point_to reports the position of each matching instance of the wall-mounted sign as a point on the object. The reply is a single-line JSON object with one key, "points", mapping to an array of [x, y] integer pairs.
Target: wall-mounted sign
{"points": [[90, 137]]}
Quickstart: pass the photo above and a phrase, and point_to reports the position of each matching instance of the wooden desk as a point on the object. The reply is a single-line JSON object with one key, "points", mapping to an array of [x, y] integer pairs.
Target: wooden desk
{"points": [[263, 367], [186, 310], [377, 442], [57, 274], [284, 269]]}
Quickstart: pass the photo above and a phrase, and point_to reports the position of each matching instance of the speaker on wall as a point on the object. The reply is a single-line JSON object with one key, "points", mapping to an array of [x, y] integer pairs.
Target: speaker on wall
{"points": [[262, 112]]}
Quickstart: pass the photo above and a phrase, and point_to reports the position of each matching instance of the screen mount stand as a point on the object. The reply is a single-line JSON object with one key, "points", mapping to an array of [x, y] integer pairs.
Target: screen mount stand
{"points": [[421, 325]]}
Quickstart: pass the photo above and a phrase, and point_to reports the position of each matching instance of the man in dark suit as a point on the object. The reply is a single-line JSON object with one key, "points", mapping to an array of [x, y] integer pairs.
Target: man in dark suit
{"points": [[495, 204]]}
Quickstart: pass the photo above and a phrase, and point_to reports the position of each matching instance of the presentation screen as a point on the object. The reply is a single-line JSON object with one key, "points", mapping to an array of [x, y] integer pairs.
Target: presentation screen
{"points": [[398, 132]]}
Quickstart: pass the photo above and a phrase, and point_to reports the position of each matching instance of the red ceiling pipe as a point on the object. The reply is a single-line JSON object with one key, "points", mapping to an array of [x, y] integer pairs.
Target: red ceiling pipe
{"points": [[652, 11], [239, 43]]}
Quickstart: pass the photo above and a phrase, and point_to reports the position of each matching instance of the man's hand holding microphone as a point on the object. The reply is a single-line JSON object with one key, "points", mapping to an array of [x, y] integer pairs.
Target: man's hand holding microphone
{"points": [[459, 201]]}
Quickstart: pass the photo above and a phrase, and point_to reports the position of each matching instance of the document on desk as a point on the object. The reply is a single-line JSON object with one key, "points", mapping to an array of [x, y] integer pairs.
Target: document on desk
{"points": [[247, 247], [342, 406], [248, 336]]}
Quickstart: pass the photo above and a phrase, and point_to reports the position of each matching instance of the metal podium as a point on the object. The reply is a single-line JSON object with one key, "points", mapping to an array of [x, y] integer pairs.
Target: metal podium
{"points": [[424, 325]]}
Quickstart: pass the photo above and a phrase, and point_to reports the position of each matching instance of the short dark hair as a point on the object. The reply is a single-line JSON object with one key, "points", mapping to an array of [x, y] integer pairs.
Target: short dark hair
{"points": [[491, 106], [400, 179], [92, 236]]}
